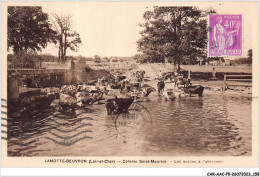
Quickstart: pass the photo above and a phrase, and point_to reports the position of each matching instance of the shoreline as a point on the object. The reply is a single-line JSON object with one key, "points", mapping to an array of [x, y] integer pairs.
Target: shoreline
{"points": [[211, 86]]}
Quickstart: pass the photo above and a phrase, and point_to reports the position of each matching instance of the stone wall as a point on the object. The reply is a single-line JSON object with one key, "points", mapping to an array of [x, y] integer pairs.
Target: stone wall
{"points": [[38, 79]]}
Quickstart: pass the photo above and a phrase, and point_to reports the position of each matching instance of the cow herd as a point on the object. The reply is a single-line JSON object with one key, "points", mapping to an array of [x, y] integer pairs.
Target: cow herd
{"points": [[117, 94]]}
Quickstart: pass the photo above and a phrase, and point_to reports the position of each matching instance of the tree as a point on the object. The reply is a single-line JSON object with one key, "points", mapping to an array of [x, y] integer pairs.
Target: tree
{"points": [[105, 59], [28, 29], [97, 59], [250, 54], [140, 58], [174, 33], [65, 37]]}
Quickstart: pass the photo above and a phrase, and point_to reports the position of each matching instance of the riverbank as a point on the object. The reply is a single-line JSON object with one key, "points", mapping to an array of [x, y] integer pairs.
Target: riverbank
{"points": [[212, 86]]}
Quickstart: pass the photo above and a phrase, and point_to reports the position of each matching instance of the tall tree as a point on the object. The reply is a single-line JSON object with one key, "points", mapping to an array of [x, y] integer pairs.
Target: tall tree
{"points": [[28, 28], [66, 37], [174, 33]]}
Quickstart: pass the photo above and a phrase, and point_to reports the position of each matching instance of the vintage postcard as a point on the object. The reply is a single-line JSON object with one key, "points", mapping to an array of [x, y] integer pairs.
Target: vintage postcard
{"points": [[129, 84]]}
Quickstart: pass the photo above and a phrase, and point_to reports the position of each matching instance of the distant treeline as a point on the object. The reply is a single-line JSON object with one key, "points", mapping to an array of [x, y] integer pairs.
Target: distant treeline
{"points": [[242, 61]]}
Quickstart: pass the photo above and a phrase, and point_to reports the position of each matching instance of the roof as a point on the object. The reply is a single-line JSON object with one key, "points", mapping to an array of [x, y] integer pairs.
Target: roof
{"points": [[89, 59], [122, 58]]}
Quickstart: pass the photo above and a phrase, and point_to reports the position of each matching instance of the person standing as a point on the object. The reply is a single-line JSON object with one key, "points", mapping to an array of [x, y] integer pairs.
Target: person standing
{"points": [[214, 73]]}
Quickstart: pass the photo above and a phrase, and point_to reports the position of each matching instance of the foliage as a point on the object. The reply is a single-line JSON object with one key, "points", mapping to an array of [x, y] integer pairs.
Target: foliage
{"points": [[105, 59], [97, 59], [66, 37], [28, 29], [24, 59], [244, 61], [250, 54], [173, 33], [140, 58]]}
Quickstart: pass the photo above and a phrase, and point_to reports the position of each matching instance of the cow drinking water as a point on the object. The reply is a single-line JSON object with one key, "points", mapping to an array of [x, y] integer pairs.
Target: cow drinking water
{"points": [[197, 89]]}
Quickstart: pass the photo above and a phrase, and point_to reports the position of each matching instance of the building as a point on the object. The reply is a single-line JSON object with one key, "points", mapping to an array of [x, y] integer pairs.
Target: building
{"points": [[90, 61], [121, 61]]}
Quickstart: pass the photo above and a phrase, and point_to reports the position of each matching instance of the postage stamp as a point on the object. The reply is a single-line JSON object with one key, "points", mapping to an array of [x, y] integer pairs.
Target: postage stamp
{"points": [[225, 35]]}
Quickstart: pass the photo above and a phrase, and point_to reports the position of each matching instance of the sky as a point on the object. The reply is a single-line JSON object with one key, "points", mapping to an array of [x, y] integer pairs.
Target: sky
{"points": [[111, 28], [105, 30]]}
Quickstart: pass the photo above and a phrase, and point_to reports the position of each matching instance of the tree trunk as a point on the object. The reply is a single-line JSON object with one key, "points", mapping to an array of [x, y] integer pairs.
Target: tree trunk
{"points": [[179, 66], [61, 46], [65, 47], [59, 55]]}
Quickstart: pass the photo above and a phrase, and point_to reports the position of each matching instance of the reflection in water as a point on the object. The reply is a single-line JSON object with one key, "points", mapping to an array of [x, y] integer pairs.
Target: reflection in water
{"points": [[212, 125]]}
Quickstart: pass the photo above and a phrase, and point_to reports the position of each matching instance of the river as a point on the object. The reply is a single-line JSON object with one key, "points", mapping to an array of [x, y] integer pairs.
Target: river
{"points": [[215, 124]]}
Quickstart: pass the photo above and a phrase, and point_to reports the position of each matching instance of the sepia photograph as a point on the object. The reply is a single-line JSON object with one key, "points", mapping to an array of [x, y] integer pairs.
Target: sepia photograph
{"points": [[139, 79]]}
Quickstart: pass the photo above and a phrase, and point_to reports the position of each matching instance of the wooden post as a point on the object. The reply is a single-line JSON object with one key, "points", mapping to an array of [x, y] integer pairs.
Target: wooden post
{"points": [[224, 83]]}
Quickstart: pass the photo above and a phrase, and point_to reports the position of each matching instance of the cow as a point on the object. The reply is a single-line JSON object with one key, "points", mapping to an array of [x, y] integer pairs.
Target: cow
{"points": [[122, 104], [197, 89], [92, 82], [118, 105], [118, 85], [67, 101], [129, 86], [145, 91], [160, 86], [85, 97], [140, 74], [110, 106], [120, 78]]}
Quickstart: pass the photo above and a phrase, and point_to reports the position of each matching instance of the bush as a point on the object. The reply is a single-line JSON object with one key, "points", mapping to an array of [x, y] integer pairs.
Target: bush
{"points": [[88, 69]]}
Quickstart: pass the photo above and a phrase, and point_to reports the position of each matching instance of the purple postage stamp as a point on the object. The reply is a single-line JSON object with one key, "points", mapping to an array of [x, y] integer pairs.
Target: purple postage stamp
{"points": [[225, 35]]}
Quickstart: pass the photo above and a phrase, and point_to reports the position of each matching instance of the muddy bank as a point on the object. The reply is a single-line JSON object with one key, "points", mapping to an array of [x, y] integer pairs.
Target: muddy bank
{"points": [[89, 74], [245, 91]]}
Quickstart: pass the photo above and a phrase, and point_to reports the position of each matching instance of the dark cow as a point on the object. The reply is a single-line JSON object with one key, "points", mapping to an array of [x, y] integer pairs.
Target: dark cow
{"points": [[92, 82], [118, 85], [160, 86], [148, 90], [110, 106], [122, 104], [129, 86], [118, 105], [197, 89], [120, 78], [139, 74]]}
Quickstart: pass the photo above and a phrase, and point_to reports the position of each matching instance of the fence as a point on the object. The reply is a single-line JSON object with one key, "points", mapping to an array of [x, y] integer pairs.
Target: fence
{"points": [[238, 78]]}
